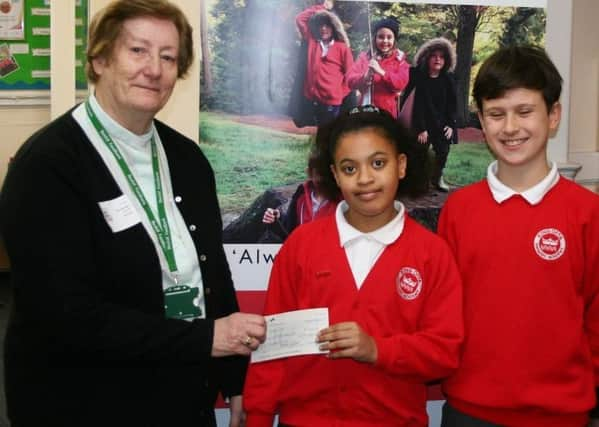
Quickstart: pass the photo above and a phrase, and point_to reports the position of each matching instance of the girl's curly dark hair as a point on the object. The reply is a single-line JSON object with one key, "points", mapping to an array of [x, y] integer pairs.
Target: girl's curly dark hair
{"points": [[369, 117]]}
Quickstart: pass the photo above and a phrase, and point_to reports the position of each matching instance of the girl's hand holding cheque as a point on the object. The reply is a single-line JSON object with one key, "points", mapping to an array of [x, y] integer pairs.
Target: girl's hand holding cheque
{"points": [[348, 340]]}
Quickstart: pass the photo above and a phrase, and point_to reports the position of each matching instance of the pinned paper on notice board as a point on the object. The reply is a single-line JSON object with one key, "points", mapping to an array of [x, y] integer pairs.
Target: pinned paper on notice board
{"points": [[11, 20], [8, 63]]}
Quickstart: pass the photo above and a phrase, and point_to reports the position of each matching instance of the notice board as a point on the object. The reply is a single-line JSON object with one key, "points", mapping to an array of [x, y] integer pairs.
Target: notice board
{"points": [[25, 52]]}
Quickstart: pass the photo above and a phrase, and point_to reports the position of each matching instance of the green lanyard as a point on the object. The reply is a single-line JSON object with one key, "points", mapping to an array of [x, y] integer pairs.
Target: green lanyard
{"points": [[161, 227]]}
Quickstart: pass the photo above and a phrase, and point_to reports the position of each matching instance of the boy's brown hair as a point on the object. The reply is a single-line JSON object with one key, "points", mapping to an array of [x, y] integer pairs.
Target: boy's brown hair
{"points": [[514, 67]]}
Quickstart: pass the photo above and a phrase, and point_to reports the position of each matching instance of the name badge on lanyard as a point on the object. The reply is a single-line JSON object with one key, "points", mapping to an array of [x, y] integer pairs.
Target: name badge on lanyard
{"points": [[180, 301]]}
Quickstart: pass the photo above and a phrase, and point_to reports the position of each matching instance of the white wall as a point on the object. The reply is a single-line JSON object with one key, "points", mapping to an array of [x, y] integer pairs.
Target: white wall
{"points": [[559, 44], [16, 124], [584, 109]]}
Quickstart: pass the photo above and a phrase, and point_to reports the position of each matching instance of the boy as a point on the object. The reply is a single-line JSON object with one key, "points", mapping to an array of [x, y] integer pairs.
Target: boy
{"points": [[329, 57], [527, 245]]}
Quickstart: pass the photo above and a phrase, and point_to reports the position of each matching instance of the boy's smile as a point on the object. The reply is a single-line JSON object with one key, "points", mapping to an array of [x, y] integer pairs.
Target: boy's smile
{"points": [[367, 169], [517, 127]]}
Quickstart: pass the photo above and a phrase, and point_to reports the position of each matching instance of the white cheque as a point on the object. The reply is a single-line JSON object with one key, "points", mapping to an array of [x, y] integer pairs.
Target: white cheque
{"points": [[292, 334]]}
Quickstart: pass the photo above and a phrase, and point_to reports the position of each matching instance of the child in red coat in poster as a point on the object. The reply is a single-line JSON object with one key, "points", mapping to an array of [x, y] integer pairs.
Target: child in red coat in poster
{"points": [[391, 287], [329, 57], [527, 244], [382, 76]]}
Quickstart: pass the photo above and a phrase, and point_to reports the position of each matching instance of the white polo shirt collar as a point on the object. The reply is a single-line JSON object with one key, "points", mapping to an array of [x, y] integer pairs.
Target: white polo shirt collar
{"points": [[385, 235], [533, 195], [364, 249], [326, 46]]}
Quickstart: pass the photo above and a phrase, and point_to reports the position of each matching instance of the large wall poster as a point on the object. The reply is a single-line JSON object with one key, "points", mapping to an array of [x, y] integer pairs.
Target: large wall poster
{"points": [[250, 53], [249, 61]]}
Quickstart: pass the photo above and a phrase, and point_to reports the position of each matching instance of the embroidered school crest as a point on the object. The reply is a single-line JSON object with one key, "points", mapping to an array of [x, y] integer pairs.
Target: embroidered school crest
{"points": [[409, 283], [549, 244]]}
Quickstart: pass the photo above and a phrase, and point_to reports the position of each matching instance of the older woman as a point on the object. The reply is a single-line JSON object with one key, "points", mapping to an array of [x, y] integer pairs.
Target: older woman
{"points": [[124, 308]]}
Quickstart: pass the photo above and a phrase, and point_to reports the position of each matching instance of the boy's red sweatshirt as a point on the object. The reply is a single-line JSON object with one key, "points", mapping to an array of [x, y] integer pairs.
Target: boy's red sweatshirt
{"points": [[531, 305]]}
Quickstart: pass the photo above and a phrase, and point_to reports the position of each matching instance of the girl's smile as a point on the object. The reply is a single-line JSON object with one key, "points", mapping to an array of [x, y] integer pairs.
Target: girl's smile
{"points": [[385, 41]]}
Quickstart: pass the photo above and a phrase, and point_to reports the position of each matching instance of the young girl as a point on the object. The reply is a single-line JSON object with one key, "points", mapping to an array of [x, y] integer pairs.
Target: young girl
{"points": [[391, 287], [307, 203], [381, 77]]}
